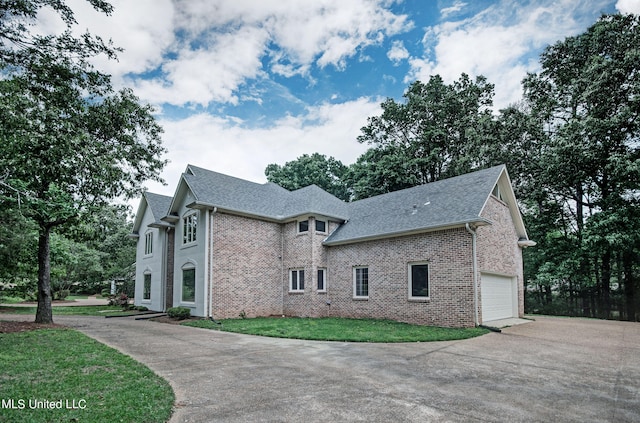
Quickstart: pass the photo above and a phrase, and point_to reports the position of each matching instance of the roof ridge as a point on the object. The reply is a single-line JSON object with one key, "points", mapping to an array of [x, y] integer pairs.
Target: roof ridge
{"points": [[432, 183]]}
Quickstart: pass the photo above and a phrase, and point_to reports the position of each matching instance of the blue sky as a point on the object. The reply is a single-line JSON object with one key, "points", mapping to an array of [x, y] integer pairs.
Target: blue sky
{"points": [[239, 84]]}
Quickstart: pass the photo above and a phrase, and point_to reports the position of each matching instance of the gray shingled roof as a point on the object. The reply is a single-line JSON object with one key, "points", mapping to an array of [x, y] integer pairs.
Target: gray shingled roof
{"points": [[447, 202], [234, 194], [159, 205], [314, 200]]}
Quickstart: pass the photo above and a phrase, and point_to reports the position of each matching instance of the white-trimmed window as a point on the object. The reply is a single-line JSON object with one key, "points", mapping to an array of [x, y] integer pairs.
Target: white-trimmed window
{"points": [[322, 279], [360, 282], [188, 284], [321, 226], [296, 280], [418, 281], [146, 286], [148, 243], [189, 228], [303, 226]]}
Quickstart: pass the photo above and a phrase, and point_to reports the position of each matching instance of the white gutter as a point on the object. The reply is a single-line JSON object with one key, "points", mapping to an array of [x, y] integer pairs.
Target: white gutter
{"points": [[283, 281], [208, 297], [475, 272]]}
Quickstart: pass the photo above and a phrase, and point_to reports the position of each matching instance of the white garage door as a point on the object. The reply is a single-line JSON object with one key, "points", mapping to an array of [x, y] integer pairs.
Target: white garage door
{"points": [[498, 297]]}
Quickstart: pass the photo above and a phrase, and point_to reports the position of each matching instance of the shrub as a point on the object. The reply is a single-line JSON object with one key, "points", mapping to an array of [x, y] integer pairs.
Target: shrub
{"points": [[105, 292], [141, 308], [120, 300], [62, 294], [179, 313]]}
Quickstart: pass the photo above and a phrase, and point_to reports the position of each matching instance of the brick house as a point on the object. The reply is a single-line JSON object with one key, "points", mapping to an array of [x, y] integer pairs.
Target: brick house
{"points": [[448, 253]]}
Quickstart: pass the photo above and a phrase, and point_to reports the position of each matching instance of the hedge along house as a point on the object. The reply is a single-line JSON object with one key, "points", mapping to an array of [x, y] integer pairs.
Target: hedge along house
{"points": [[448, 253]]}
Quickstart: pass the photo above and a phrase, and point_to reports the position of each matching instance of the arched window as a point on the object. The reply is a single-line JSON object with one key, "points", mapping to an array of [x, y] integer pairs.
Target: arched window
{"points": [[189, 228], [189, 283], [148, 243], [146, 288]]}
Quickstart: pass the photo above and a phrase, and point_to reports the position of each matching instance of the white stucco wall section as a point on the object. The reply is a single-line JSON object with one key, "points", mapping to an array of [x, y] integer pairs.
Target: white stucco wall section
{"points": [[190, 255], [150, 263]]}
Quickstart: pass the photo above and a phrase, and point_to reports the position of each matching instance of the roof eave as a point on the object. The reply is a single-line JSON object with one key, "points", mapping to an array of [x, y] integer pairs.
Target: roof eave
{"points": [[478, 222], [200, 205], [161, 225], [524, 243]]}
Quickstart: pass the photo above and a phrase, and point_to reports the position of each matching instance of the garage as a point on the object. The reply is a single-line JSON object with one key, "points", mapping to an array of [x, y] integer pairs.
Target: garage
{"points": [[498, 296]]}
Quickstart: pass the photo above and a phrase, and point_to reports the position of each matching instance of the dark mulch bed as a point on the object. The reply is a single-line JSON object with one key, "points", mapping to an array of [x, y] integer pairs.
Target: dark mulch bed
{"points": [[12, 327]]}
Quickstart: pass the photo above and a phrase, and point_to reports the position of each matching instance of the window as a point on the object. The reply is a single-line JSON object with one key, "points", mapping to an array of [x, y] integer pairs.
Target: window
{"points": [[418, 281], [148, 243], [189, 285], [303, 226], [321, 226], [322, 283], [296, 280], [189, 228], [146, 290], [361, 282]]}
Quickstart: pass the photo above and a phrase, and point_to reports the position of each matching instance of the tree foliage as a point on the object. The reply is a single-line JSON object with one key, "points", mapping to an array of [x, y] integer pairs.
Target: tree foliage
{"points": [[68, 142], [327, 173], [439, 131], [587, 173], [572, 147]]}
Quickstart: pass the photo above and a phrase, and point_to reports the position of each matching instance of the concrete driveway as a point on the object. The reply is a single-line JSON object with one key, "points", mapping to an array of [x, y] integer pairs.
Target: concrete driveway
{"points": [[551, 370]]}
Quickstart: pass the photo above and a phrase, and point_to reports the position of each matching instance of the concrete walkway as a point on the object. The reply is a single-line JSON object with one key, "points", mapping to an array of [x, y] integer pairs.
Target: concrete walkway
{"points": [[550, 370]]}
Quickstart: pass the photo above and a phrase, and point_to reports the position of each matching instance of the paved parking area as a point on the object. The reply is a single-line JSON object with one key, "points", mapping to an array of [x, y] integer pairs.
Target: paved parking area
{"points": [[554, 369]]}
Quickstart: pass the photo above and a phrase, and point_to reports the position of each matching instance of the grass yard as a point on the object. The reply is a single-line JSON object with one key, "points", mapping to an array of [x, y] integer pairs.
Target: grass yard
{"points": [[65, 310], [339, 329], [88, 380]]}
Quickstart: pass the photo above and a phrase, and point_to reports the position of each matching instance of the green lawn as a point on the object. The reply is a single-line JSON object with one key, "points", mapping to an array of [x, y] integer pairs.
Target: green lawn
{"points": [[65, 310], [69, 369], [338, 329]]}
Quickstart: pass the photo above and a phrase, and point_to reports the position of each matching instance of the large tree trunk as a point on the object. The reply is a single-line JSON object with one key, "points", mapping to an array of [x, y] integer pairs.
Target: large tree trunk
{"points": [[44, 314]]}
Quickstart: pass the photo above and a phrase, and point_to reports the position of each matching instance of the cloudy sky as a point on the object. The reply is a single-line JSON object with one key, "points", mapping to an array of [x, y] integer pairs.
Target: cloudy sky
{"points": [[239, 84]]}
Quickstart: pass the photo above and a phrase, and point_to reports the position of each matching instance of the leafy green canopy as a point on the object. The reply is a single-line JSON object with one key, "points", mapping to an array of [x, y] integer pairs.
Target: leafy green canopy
{"points": [[327, 173], [69, 143], [586, 179], [439, 131]]}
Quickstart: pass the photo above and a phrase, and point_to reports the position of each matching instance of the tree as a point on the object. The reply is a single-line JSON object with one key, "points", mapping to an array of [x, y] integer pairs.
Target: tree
{"points": [[439, 131], [68, 142], [586, 99], [327, 173]]}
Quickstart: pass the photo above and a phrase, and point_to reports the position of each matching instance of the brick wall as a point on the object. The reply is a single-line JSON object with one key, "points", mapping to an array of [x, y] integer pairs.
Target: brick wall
{"points": [[251, 261], [448, 254], [498, 250], [246, 267], [305, 251]]}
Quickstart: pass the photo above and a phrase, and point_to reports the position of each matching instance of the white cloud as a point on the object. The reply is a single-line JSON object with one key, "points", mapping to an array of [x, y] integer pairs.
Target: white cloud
{"points": [[202, 51], [456, 7], [628, 6], [398, 52], [144, 29], [209, 73], [227, 147], [498, 42]]}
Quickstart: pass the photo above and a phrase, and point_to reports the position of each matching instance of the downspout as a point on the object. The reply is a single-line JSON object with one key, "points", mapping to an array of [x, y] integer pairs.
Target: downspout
{"points": [[282, 277], [208, 298], [163, 269], [207, 272], [475, 272]]}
